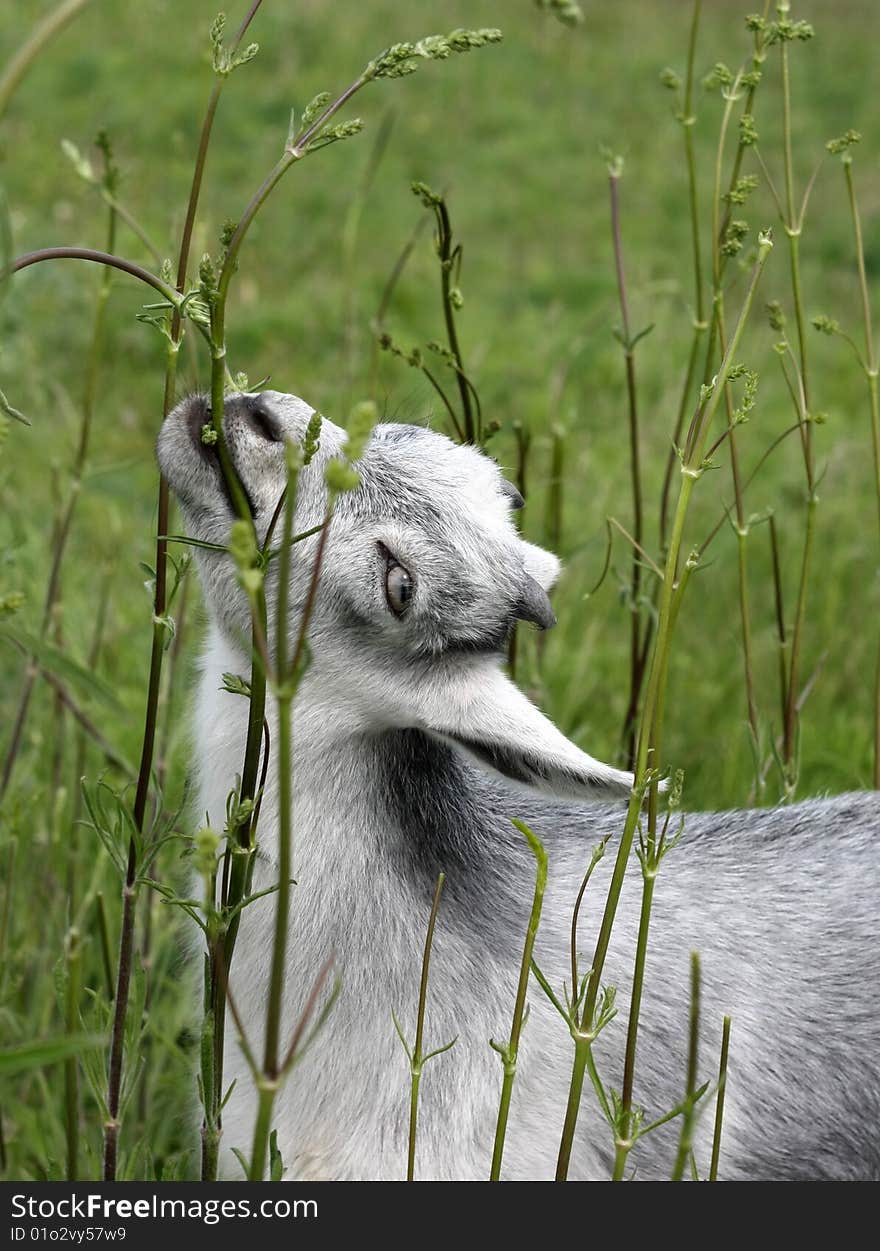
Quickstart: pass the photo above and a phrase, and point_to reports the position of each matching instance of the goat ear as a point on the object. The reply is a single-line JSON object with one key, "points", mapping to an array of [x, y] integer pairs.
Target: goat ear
{"points": [[484, 714]]}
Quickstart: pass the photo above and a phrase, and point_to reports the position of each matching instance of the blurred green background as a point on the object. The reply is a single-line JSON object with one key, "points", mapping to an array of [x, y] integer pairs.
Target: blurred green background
{"points": [[514, 133]]}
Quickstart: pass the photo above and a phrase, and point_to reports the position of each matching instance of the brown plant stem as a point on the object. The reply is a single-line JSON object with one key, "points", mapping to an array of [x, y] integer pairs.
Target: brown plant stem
{"points": [[719, 1100], [68, 509], [636, 651], [793, 224], [157, 650], [470, 415]]}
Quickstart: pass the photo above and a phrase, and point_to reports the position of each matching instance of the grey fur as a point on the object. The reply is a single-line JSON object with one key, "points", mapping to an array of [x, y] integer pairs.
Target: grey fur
{"points": [[412, 751]]}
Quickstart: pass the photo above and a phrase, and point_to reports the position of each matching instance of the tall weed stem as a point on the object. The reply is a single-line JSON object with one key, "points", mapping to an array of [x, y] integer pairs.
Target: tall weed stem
{"points": [[869, 365], [509, 1051], [628, 342], [691, 469]]}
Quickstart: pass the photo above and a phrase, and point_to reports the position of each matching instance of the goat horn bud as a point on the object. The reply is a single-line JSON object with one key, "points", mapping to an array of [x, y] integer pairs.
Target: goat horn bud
{"points": [[534, 605], [515, 497]]}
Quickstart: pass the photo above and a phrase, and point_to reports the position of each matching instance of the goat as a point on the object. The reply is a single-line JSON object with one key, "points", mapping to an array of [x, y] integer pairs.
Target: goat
{"points": [[412, 751]]}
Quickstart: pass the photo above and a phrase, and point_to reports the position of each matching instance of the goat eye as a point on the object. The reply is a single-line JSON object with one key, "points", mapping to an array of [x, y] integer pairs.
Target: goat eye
{"points": [[398, 589]]}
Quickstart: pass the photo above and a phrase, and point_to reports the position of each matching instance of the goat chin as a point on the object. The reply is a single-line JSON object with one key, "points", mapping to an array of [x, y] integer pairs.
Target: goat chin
{"points": [[781, 904]]}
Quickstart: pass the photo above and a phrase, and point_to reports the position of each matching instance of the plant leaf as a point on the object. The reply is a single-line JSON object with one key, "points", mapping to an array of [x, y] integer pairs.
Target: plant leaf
{"points": [[42, 1052], [60, 664]]}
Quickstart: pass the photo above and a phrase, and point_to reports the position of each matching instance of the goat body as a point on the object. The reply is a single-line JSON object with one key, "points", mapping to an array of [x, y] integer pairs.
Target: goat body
{"points": [[412, 754]]}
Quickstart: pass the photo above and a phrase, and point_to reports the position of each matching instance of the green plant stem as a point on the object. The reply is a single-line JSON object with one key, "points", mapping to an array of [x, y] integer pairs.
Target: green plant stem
{"points": [[720, 222], [284, 681], [104, 936], [791, 708], [741, 526], [781, 633], [637, 655], [870, 368], [287, 676], [171, 674], [239, 870], [598, 853], [742, 535], [719, 1100], [624, 1140], [71, 1066], [718, 231], [793, 225], [759, 56], [117, 1039], [652, 852], [688, 121], [689, 1110], [57, 795], [717, 334], [653, 704], [417, 1058], [40, 36], [267, 1089], [510, 1052]]}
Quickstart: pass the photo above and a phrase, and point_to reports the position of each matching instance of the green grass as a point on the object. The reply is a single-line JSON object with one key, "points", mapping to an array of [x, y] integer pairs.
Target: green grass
{"points": [[514, 133]]}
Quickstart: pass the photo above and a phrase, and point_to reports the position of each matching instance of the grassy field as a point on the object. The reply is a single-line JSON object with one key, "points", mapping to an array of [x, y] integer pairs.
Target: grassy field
{"points": [[514, 133]]}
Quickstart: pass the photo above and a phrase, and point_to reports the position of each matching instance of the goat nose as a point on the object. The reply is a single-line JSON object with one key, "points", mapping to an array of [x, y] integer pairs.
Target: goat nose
{"points": [[534, 605], [259, 416]]}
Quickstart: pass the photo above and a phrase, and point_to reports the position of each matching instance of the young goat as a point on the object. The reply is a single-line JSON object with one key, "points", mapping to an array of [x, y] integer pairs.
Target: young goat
{"points": [[412, 751]]}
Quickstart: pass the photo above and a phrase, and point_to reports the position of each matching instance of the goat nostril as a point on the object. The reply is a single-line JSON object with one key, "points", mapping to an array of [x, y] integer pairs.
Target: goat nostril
{"points": [[262, 420]]}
